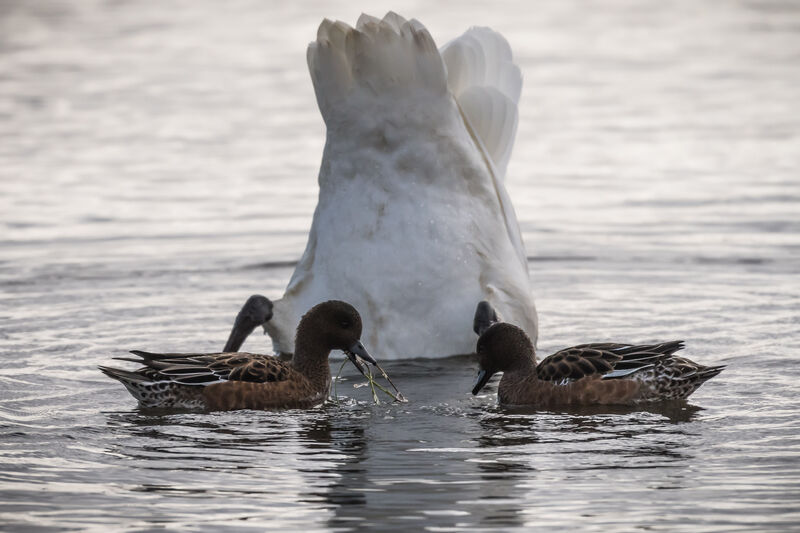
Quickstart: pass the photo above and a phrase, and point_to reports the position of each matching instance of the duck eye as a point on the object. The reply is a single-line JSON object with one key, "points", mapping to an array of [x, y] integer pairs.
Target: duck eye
{"points": [[345, 324]]}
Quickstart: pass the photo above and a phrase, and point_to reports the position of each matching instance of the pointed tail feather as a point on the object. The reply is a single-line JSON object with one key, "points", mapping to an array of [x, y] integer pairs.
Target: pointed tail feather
{"points": [[702, 375], [709, 372], [137, 384], [123, 375], [150, 356]]}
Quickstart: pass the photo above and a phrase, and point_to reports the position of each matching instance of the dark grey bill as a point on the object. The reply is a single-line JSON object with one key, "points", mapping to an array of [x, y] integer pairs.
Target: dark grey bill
{"points": [[357, 353], [481, 381], [358, 349]]}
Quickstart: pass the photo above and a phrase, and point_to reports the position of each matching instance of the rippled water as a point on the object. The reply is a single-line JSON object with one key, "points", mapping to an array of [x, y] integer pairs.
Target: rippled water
{"points": [[157, 166]]}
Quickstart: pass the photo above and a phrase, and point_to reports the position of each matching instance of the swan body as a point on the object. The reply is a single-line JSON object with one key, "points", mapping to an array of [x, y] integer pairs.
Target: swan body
{"points": [[413, 224]]}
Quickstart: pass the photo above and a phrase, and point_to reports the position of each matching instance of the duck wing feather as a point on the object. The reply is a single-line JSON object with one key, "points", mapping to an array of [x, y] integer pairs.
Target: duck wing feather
{"points": [[606, 360], [205, 369]]}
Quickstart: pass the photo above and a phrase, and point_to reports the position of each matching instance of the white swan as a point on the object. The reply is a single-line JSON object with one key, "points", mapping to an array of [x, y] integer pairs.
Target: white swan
{"points": [[413, 226]]}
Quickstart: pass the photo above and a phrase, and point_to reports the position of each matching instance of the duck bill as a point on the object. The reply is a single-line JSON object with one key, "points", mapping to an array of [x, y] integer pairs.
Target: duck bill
{"points": [[358, 354], [481, 381]]}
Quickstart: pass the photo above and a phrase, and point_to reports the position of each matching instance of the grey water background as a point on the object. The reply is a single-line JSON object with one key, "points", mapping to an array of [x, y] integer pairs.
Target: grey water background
{"points": [[158, 165]]}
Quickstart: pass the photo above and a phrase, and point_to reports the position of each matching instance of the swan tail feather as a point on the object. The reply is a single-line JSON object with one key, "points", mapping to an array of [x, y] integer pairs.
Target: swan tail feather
{"points": [[378, 58]]}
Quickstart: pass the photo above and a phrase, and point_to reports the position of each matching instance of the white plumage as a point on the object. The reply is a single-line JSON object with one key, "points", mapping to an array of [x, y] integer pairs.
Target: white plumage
{"points": [[413, 225]]}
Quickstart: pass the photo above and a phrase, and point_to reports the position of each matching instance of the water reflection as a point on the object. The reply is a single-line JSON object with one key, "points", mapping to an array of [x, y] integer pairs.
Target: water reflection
{"points": [[300, 457], [346, 435], [674, 412], [522, 444]]}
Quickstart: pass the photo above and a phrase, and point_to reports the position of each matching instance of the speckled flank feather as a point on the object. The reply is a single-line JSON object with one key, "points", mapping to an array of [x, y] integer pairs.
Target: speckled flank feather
{"points": [[152, 391], [194, 380], [673, 378], [603, 373]]}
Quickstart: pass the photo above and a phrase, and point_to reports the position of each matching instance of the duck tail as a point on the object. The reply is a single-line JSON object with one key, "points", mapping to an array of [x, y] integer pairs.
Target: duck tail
{"points": [[151, 391], [687, 377], [703, 374], [708, 372], [122, 375], [136, 383]]}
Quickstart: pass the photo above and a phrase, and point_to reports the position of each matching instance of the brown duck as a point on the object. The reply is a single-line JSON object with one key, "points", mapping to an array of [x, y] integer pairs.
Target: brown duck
{"points": [[588, 374], [226, 381]]}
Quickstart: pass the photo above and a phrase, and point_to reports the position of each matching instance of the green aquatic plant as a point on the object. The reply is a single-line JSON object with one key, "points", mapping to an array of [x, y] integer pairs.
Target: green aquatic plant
{"points": [[397, 396]]}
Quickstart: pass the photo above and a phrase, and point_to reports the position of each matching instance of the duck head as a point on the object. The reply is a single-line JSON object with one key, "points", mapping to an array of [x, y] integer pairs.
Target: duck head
{"points": [[335, 325], [501, 348]]}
